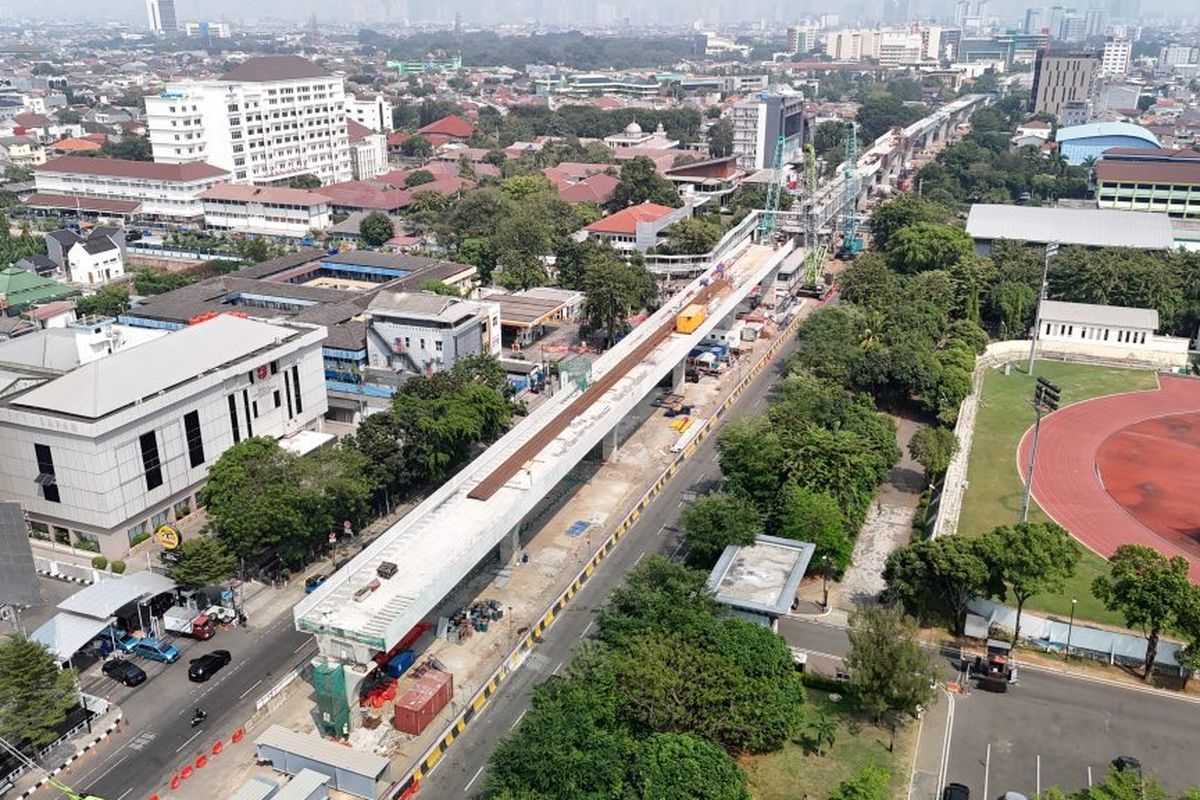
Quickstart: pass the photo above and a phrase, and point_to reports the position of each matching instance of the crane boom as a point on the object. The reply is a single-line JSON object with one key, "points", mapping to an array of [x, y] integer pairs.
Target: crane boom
{"points": [[766, 223]]}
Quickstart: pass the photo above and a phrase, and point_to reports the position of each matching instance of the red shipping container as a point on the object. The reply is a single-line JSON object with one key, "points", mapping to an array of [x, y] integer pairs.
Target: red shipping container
{"points": [[420, 704]]}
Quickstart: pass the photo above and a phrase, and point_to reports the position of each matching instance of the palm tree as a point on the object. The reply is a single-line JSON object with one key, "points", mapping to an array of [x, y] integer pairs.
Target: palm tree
{"points": [[869, 339], [1089, 164], [824, 731]]}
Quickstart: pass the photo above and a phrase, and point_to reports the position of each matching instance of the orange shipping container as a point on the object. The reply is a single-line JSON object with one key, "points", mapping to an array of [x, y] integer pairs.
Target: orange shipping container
{"points": [[690, 318]]}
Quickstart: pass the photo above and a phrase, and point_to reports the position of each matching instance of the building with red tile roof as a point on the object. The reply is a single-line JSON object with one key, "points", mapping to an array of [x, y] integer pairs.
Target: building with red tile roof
{"points": [[162, 191], [267, 210], [452, 128], [599, 189], [636, 227]]}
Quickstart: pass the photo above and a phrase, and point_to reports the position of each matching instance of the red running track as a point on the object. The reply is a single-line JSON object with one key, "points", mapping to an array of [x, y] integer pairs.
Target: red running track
{"points": [[1151, 468]]}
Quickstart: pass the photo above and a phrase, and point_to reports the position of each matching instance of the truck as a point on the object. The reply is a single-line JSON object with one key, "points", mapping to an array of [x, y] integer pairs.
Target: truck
{"points": [[995, 670], [188, 622]]}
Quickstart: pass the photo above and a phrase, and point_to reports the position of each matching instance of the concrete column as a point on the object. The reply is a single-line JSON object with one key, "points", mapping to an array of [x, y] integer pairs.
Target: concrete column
{"points": [[510, 545], [677, 375], [608, 445]]}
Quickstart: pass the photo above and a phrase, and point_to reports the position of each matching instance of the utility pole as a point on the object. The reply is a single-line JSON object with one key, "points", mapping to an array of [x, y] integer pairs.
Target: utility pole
{"points": [[1046, 397], [1051, 252]]}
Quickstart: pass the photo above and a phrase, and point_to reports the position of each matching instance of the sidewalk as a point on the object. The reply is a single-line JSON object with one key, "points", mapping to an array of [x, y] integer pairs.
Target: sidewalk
{"points": [[61, 761], [888, 526], [933, 748]]}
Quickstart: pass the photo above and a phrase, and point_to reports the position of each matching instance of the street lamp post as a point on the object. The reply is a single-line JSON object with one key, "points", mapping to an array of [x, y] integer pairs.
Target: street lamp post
{"points": [[824, 583], [1070, 628]]}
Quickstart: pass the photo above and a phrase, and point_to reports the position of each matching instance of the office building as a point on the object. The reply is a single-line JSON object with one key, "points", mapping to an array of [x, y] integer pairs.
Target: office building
{"points": [[1173, 56], [160, 14], [1034, 19], [758, 122], [895, 12], [265, 210], [801, 40], [421, 332], [1115, 58], [115, 187], [368, 151], [1059, 79], [108, 432], [269, 119], [370, 112]]}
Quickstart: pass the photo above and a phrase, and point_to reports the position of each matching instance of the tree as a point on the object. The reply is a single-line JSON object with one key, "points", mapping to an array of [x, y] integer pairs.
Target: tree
{"points": [[613, 289], [927, 246], [416, 147], [109, 301], [442, 288], [753, 459], [720, 138], [1150, 590], [418, 177], [828, 135], [715, 521], [253, 500], [206, 561], [881, 111], [641, 183], [869, 783], [823, 731], [889, 672], [933, 448], [907, 209], [683, 766], [482, 368], [35, 695], [130, 147], [658, 595], [691, 236], [808, 516], [305, 181], [1029, 558], [939, 574], [376, 228]]}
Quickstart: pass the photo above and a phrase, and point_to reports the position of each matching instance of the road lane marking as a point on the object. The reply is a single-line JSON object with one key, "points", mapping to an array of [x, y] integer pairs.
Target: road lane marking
{"points": [[1039, 775], [556, 669], [110, 769], [251, 689], [585, 630], [125, 793], [517, 721], [639, 558], [474, 778], [987, 768], [189, 741], [301, 647]]}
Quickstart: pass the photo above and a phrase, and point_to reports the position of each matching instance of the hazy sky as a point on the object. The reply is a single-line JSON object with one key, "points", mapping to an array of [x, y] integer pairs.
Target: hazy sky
{"points": [[551, 11]]}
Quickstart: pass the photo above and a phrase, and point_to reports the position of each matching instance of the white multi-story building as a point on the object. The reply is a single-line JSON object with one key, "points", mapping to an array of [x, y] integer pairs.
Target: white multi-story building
{"points": [[166, 191], [368, 152], [107, 449], [370, 112], [208, 30], [1115, 59], [423, 332], [160, 16], [265, 210], [269, 119], [759, 121], [95, 260]]}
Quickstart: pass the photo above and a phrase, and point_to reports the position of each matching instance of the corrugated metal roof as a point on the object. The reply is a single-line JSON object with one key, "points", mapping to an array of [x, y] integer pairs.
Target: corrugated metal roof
{"points": [[320, 750], [302, 786], [103, 598], [109, 384], [1090, 227], [63, 634], [1088, 314], [1097, 129], [256, 789]]}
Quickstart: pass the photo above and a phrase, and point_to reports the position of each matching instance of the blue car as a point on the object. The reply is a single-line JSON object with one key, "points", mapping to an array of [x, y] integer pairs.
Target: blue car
{"points": [[314, 582], [150, 648]]}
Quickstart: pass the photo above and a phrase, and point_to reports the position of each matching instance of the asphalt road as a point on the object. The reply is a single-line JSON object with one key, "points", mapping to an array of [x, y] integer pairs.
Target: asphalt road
{"points": [[461, 772], [157, 739]]}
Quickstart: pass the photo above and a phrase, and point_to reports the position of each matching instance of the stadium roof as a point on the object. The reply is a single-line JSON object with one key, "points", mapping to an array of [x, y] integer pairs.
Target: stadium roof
{"points": [[1090, 227], [1094, 130]]}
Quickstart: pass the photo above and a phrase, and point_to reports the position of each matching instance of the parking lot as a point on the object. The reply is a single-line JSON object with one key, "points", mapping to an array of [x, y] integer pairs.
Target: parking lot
{"points": [[1056, 731]]}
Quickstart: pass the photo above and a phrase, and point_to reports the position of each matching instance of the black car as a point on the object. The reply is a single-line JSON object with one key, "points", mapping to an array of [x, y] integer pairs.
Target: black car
{"points": [[1127, 764], [207, 665], [123, 671], [956, 791]]}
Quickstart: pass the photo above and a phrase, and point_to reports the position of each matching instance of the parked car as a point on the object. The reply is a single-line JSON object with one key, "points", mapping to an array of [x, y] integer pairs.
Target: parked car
{"points": [[152, 649], [1127, 764], [123, 671], [314, 582], [207, 665], [956, 791]]}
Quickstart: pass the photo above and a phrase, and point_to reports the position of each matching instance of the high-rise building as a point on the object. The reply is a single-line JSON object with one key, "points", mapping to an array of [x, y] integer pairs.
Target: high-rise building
{"points": [[1115, 59], [1094, 22], [1059, 79], [269, 119], [371, 111], [1054, 21], [759, 122], [1034, 17], [1074, 28], [160, 14]]}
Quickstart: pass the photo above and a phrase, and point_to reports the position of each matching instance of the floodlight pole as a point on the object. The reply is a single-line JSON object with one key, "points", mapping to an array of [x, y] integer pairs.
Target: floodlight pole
{"points": [[1037, 427], [1051, 251]]}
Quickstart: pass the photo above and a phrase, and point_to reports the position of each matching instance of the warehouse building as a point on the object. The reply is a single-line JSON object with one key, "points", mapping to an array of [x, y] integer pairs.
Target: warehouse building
{"points": [[1086, 227]]}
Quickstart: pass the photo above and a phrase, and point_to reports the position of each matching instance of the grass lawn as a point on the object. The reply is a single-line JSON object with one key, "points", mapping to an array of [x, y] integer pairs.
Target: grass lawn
{"points": [[794, 772], [993, 496]]}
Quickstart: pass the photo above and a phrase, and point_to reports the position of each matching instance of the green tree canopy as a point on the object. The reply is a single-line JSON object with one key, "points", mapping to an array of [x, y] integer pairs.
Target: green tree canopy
{"points": [[938, 576], [691, 236], [206, 562], [1150, 590], [889, 671], [715, 521], [641, 183], [685, 767], [35, 695], [1030, 558], [869, 783], [613, 290], [933, 447], [305, 181], [720, 138], [925, 246], [109, 301], [418, 177], [809, 516], [376, 229], [416, 147]]}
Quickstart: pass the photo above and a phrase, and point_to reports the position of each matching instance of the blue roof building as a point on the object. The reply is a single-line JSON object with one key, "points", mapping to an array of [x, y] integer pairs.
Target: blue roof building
{"points": [[1079, 142]]}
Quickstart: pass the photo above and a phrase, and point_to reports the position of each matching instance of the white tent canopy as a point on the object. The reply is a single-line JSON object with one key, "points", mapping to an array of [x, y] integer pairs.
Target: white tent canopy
{"points": [[104, 598], [64, 633]]}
